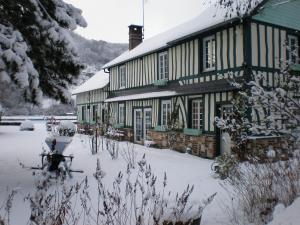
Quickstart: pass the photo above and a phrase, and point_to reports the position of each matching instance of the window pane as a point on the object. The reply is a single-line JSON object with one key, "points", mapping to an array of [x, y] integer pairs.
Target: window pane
{"points": [[163, 65], [197, 114], [209, 56]]}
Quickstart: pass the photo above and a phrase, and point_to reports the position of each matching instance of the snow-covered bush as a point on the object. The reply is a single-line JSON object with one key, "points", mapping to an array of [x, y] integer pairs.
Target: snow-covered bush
{"points": [[66, 128], [129, 155], [258, 187], [134, 197], [225, 165], [112, 146], [172, 127], [27, 125], [5, 208]]}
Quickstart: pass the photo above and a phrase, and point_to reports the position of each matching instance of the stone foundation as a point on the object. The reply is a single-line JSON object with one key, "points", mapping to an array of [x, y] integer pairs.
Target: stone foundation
{"points": [[260, 146], [204, 145], [128, 134]]}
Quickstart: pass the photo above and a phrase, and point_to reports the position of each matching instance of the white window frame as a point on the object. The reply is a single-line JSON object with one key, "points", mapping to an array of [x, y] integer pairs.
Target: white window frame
{"points": [[122, 77], [163, 66], [197, 114], [121, 114], [147, 121], [165, 112], [293, 58], [209, 57]]}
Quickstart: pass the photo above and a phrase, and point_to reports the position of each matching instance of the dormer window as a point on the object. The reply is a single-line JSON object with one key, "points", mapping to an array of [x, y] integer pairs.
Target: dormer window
{"points": [[209, 55], [163, 66], [293, 49], [122, 77]]}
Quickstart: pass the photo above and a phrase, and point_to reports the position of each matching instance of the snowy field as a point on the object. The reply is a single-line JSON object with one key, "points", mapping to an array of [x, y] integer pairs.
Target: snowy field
{"points": [[182, 169]]}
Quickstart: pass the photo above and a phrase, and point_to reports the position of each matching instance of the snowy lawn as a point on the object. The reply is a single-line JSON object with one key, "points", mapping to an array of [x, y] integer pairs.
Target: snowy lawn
{"points": [[182, 169], [25, 146]]}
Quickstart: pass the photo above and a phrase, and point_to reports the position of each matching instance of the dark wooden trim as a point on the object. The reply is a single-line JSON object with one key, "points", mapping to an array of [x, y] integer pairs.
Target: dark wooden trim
{"points": [[228, 48], [267, 44], [234, 47], [258, 46], [221, 50]]}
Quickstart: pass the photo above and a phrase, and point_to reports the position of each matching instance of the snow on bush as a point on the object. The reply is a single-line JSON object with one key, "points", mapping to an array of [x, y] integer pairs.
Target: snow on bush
{"points": [[259, 187], [67, 128], [136, 196], [27, 125]]}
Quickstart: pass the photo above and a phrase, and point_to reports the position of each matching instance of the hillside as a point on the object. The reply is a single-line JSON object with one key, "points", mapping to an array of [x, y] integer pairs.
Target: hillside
{"points": [[97, 53], [94, 54]]}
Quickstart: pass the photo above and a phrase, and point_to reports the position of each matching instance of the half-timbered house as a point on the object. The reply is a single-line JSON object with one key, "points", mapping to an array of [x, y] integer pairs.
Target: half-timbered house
{"points": [[90, 97], [186, 69]]}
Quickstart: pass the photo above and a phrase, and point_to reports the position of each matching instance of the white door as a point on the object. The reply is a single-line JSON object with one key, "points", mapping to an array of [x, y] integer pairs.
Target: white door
{"points": [[226, 143], [138, 125], [147, 121]]}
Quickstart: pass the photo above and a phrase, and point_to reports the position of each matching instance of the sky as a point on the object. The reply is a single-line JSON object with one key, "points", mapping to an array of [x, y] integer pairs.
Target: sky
{"points": [[109, 19]]}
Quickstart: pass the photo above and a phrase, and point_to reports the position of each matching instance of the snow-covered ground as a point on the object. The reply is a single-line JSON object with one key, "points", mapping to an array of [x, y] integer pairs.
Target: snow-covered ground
{"points": [[287, 216], [182, 169]]}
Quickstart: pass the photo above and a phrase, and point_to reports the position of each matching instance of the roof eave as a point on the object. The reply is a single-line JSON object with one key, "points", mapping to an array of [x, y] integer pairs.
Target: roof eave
{"points": [[202, 31], [136, 57]]}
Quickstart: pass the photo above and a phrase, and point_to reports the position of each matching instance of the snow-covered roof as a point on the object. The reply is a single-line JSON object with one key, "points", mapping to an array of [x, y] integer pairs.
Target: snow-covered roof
{"points": [[211, 17], [143, 96], [98, 81]]}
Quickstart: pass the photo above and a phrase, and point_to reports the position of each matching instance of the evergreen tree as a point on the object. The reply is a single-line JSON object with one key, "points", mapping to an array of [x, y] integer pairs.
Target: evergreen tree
{"points": [[35, 48]]}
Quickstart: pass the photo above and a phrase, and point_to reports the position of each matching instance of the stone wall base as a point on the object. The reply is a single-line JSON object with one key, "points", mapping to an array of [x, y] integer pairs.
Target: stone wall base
{"points": [[204, 145], [260, 146], [128, 134]]}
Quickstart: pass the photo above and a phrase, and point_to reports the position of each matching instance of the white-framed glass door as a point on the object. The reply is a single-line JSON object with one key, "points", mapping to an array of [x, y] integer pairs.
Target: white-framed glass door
{"points": [[147, 121], [138, 125], [226, 142]]}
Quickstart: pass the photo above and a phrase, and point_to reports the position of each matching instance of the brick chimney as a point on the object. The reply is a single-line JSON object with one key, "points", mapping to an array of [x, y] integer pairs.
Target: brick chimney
{"points": [[135, 36]]}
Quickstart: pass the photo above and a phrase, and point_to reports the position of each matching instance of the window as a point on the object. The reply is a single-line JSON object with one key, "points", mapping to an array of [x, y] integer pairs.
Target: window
{"points": [[147, 121], [165, 112], [121, 114], [209, 55], [163, 66], [293, 49], [197, 114], [83, 113], [122, 77], [94, 113]]}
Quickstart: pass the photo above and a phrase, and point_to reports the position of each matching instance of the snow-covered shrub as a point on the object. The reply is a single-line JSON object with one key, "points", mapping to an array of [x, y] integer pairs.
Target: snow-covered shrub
{"points": [[258, 187], [112, 146], [129, 155], [225, 165], [172, 127], [5, 208], [134, 197], [51, 202], [27, 125], [66, 128]]}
